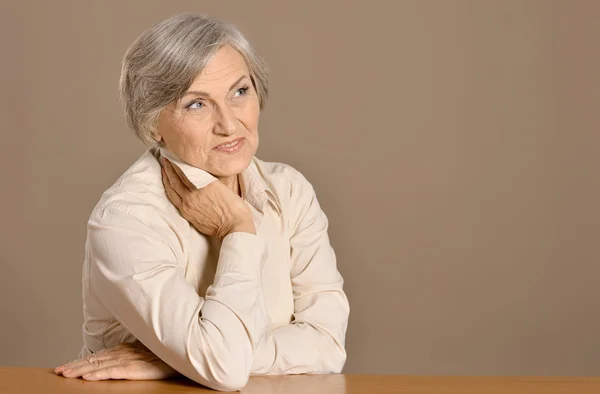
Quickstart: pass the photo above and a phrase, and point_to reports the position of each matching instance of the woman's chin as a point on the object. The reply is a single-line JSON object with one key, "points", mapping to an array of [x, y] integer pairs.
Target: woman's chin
{"points": [[231, 166]]}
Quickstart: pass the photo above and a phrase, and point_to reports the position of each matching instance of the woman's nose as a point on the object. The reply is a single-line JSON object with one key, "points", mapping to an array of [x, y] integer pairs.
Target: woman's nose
{"points": [[227, 122]]}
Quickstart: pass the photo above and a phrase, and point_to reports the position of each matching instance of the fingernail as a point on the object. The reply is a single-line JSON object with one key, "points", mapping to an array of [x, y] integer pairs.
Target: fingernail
{"points": [[66, 372]]}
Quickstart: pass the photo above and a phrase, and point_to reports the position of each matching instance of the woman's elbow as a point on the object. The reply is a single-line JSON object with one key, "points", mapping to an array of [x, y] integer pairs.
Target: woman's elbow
{"points": [[224, 373], [230, 380], [234, 375], [337, 361]]}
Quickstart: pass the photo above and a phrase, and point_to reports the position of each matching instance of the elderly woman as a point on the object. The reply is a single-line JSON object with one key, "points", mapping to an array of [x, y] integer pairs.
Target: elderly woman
{"points": [[202, 259]]}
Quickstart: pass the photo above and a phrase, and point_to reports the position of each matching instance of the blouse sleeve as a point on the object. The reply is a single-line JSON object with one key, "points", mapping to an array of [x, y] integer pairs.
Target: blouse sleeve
{"points": [[314, 341], [212, 339]]}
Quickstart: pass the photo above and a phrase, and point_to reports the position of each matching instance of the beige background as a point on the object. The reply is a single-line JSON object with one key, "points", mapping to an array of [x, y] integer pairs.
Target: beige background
{"points": [[455, 146]]}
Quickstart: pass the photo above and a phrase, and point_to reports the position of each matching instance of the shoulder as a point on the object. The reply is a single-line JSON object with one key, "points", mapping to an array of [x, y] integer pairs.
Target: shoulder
{"points": [[295, 194], [138, 193], [285, 181]]}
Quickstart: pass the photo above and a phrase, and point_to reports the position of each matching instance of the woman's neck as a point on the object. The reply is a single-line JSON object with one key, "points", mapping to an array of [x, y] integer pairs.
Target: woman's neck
{"points": [[232, 182]]}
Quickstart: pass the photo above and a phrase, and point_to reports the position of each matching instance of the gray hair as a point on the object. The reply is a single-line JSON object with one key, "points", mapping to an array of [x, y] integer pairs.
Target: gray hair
{"points": [[161, 64]]}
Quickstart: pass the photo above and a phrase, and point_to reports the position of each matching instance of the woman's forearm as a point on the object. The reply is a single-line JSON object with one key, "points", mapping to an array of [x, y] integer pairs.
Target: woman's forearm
{"points": [[315, 345]]}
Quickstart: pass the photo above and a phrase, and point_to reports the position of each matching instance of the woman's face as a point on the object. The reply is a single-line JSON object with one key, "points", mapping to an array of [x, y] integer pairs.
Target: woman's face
{"points": [[215, 125]]}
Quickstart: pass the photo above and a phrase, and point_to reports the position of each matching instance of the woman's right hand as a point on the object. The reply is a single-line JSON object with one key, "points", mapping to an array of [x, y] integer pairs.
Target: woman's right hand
{"points": [[214, 210]]}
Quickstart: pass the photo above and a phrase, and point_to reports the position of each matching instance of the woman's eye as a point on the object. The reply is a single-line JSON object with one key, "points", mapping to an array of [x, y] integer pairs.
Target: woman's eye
{"points": [[241, 91], [195, 105]]}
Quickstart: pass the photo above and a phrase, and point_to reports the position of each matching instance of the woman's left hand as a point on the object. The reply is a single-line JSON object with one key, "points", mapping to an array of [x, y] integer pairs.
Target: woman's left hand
{"points": [[130, 361]]}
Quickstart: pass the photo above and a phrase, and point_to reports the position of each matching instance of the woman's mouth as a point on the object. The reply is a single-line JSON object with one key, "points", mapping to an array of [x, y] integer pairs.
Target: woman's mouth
{"points": [[230, 146]]}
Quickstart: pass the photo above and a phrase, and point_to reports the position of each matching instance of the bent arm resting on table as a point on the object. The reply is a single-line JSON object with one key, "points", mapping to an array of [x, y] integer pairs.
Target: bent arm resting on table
{"points": [[210, 340], [314, 341]]}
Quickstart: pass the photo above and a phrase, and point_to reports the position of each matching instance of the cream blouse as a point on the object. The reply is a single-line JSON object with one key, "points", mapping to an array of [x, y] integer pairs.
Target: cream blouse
{"points": [[270, 303]]}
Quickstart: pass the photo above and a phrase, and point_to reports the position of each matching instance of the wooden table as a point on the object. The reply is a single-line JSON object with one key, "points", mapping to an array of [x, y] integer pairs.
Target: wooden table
{"points": [[44, 381]]}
